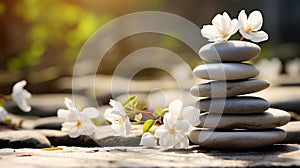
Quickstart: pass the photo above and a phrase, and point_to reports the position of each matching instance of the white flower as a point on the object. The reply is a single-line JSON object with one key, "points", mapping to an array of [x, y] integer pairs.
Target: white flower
{"points": [[3, 113], [249, 27], [173, 133], [19, 95], [221, 29], [189, 113], [77, 123], [148, 140], [117, 116]]}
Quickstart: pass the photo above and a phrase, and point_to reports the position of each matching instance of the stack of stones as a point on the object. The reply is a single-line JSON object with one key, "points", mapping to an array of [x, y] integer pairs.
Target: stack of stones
{"points": [[229, 120]]}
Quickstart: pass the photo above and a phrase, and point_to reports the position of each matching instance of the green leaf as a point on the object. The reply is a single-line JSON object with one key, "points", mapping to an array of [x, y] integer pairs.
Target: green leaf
{"points": [[158, 111], [2, 103], [97, 122], [129, 101], [7, 121], [164, 111], [148, 124]]}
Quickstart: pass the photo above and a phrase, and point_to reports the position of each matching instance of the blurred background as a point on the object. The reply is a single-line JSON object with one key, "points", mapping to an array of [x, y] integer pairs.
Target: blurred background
{"points": [[40, 40]]}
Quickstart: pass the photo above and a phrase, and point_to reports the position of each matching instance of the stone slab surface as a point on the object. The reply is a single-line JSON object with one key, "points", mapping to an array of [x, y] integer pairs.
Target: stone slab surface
{"points": [[276, 155]]}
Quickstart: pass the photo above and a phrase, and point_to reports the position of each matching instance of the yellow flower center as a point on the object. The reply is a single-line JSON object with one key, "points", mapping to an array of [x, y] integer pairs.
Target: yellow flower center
{"points": [[248, 30], [180, 117], [223, 33], [172, 131], [119, 121], [78, 123]]}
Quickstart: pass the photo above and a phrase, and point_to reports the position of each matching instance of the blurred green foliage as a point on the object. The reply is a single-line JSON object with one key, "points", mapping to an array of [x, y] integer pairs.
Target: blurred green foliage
{"points": [[52, 23]]}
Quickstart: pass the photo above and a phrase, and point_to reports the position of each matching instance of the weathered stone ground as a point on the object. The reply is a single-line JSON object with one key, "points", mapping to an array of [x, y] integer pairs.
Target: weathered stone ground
{"points": [[276, 155]]}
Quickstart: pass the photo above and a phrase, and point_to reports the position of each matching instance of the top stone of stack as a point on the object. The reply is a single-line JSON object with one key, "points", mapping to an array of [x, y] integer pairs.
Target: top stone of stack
{"points": [[230, 51]]}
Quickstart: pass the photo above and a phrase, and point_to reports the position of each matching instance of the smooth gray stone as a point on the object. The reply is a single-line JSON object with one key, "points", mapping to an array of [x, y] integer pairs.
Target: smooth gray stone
{"points": [[293, 132], [237, 139], [119, 141], [59, 138], [23, 139], [269, 119], [230, 51], [225, 71], [228, 88], [234, 105]]}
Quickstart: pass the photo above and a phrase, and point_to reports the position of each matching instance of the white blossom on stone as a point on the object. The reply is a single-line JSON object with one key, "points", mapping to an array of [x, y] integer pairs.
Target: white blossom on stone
{"points": [[118, 118], [77, 122], [3, 113], [189, 113], [148, 140], [173, 133], [249, 27], [20, 96], [221, 29], [177, 124]]}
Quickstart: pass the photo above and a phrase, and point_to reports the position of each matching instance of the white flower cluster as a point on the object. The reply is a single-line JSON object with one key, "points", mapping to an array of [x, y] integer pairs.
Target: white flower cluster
{"points": [[19, 95], [173, 133], [177, 123], [118, 118], [223, 27], [77, 122]]}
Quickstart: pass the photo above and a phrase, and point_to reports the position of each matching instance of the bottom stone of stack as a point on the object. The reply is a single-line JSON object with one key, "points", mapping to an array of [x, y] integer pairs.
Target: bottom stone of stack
{"points": [[236, 139]]}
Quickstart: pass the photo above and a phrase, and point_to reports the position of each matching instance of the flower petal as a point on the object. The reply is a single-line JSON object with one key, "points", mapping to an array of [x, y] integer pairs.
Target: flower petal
{"points": [[148, 140], [117, 106], [175, 107], [23, 105], [243, 20], [244, 34], [67, 126], [255, 20], [88, 128], [184, 143], [160, 131], [167, 140], [259, 36], [218, 21], [74, 132], [182, 125], [210, 32], [192, 115], [69, 103], [226, 22], [168, 120], [19, 95], [127, 126], [18, 87], [91, 112], [64, 115], [118, 130], [109, 115], [234, 27]]}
